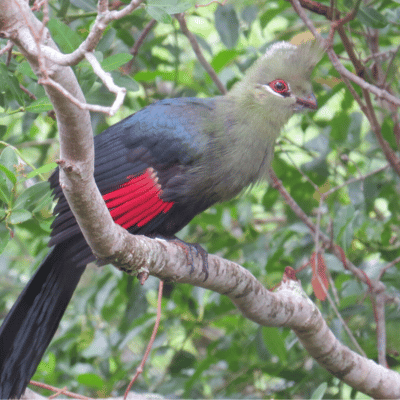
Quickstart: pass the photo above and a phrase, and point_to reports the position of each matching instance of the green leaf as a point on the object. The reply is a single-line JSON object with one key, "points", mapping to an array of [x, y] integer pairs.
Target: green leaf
{"points": [[18, 216], [4, 238], [42, 170], [227, 24], [91, 380], [249, 14], [354, 131], [25, 69], [5, 197], [43, 202], [64, 8], [346, 223], [372, 188], [387, 132], [31, 196], [159, 14], [3, 130], [223, 58], [86, 5], [319, 392], [40, 105], [171, 6], [64, 36], [8, 174], [275, 343], [356, 193], [271, 13], [98, 346], [5, 191], [270, 197], [115, 61], [9, 158], [10, 82], [340, 125], [372, 18], [125, 81], [48, 367], [181, 360]]}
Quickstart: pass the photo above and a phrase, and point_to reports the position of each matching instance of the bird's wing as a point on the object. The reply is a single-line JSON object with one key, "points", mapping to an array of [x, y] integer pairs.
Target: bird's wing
{"points": [[140, 163]]}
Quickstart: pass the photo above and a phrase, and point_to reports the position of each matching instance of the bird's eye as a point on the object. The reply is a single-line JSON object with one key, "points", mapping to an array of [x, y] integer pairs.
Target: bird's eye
{"points": [[280, 86]]}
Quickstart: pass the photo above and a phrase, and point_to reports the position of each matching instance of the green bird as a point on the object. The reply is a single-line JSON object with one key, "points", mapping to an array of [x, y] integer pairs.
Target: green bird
{"points": [[156, 170]]}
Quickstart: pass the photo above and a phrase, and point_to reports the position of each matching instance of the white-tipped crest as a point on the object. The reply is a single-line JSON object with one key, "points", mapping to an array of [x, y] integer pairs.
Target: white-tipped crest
{"points": [[279, 46]]}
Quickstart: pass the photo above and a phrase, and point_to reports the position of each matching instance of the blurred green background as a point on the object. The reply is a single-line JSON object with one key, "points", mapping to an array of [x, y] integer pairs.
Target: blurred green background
{"points": [[205, 348]]}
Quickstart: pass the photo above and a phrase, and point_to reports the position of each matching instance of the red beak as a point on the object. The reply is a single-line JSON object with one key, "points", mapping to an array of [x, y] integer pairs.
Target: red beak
{"points": [[307, 102]]}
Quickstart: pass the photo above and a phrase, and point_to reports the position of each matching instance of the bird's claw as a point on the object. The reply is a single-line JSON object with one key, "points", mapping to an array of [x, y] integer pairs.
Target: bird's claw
{"points": [[188, 248]]}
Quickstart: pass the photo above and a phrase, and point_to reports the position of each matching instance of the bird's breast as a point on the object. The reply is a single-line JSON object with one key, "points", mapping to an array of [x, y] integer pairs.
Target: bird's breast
{"points": [[230, 168]]}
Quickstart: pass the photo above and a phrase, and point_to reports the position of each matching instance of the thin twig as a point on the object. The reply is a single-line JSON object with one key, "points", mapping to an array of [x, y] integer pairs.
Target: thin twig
{"points": [[334, 248], [103, 19], [24, 159], [376, 128], [138, 44], [392, 58], [32, 143], [379, 313], [104, 76], [277, 184], [199, 54], [388, 266], [60, 391], [365, 86], [382, 55], [107, 79], [352, 180], [340, 22], [69, 96], [299, 9], [25, 90], [305, 176], [345, 326], [139, 369], [378, 92], [143, 35], [7, 48]]}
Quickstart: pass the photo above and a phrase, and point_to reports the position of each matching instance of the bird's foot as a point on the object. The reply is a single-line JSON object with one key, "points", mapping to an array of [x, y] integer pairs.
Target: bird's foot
{"points": [[188, 249]]}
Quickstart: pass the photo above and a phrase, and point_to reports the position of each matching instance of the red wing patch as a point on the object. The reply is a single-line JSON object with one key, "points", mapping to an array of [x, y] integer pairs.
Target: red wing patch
{"points": [[137, 201]]}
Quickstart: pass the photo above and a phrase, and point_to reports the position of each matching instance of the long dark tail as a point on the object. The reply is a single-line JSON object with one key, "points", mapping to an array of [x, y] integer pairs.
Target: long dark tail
{"points": [[30, 325]]}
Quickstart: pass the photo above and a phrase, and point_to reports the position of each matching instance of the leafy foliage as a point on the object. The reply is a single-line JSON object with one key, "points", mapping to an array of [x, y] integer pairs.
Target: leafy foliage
{"points": [[204, 347]]}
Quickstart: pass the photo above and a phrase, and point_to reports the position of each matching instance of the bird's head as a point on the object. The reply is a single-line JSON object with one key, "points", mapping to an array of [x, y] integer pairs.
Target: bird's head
{"points": [[279, 82]]}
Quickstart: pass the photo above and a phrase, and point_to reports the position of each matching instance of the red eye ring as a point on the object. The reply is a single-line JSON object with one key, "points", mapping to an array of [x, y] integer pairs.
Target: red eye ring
{"points": [[279, 86]]}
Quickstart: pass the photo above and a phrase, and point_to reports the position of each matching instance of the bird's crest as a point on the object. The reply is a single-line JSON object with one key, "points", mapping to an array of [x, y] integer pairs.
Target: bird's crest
{"points": [[303, 57], [282, 60]]}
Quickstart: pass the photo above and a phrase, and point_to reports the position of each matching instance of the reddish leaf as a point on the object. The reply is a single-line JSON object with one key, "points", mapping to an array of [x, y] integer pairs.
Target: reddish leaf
{"points": [[319, 280], [290, 274]]}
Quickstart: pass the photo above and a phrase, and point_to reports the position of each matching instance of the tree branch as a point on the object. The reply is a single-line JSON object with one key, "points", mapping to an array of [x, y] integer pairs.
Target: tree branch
{"points": [[196, 48], [378, 92], [288, 306]]}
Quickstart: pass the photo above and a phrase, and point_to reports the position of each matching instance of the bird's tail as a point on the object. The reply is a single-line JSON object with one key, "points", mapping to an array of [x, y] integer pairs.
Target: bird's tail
{"points": [[31, 323]]}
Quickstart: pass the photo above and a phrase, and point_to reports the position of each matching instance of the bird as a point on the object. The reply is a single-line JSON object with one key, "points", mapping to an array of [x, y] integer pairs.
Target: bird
{"points": [[156, 170]]}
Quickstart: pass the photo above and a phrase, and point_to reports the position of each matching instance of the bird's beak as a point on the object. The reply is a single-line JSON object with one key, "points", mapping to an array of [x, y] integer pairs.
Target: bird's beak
{"points": [[306, 102]]}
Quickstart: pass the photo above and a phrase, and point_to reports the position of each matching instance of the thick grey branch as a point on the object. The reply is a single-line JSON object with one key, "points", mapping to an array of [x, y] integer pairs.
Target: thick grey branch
{"points": [[287, 307], [104, 17]]}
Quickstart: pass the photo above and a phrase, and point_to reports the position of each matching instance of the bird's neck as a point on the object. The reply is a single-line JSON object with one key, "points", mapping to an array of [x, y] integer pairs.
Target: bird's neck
{"points": [[245, 123], [242, 141]]}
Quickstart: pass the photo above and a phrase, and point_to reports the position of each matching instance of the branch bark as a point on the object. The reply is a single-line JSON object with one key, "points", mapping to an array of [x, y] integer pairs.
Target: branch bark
{"points": [[288, 306]]}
